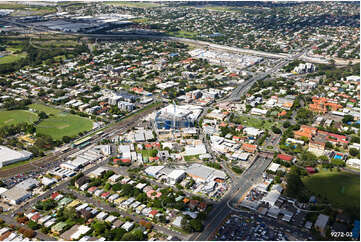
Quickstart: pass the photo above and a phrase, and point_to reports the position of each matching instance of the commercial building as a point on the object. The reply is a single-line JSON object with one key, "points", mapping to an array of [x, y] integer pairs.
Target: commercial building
{"points": [[175, 116], [203, 173], [28, 184], [9, 156], [16, 195], [176, 176]]}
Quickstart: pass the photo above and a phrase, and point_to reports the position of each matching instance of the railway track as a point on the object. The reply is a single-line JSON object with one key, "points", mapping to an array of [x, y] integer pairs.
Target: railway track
{"points": [[41, 163]]}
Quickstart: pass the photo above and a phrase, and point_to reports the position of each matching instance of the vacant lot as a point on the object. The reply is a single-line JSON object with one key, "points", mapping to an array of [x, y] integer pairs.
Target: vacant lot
{"points": [[340, 188], [16, 117], [254, 122]]}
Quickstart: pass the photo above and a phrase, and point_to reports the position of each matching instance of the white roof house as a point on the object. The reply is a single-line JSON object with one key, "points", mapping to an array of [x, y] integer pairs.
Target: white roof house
{"points": [[127, 226], [110, 219], [273, 167], [102, 215], [114, 178]]}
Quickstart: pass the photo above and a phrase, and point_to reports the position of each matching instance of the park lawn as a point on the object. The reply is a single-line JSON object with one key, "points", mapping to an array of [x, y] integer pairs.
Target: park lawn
{"points": [[43, 108], [190, 158], [342, 189], [12, 58], [255, 122], [16, 117], [63, 124], [147, 153]]}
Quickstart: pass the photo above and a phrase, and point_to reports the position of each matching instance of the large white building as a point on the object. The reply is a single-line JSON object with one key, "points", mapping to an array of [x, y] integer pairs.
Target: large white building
{"points": [[9, 156], [176, 116]]}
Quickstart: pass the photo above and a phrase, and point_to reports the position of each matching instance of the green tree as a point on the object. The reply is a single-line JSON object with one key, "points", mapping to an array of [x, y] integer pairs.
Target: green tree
{"points": [[295, 187], [196, 225], [354, 152], [347, 118], [34, 226]]}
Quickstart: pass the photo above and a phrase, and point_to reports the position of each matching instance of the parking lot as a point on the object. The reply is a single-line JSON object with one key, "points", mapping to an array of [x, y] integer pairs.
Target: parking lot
{"points": [[249, 226], [244, 228]]}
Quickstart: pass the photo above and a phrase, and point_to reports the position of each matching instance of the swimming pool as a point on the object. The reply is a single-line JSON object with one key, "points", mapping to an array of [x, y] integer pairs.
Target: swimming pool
{"points": [[338, 157]]}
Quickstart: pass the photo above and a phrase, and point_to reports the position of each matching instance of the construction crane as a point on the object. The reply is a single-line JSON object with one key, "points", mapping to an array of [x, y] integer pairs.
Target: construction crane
{"points": [[174, 122]]}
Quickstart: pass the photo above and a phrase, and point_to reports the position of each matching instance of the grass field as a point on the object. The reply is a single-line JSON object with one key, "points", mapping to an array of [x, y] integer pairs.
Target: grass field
{"points": [[62, 125], [341, 189], [16, 117], [191, 158], [43, 108], [12, 58], [254, 122]]}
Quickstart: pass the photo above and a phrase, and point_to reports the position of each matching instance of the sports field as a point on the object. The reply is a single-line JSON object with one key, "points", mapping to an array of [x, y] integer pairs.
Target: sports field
{"points": [[43, 108], [342, 189], [60, 124], [64, 125], [16, 117]]}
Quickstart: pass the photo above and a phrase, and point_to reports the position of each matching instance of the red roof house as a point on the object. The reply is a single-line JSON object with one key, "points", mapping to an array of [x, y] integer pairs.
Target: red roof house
{"points": [[285, 157]]}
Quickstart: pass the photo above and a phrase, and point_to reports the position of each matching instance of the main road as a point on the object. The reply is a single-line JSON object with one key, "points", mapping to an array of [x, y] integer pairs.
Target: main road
{"points": [[238, 92], [42, 162], [249, 178]]}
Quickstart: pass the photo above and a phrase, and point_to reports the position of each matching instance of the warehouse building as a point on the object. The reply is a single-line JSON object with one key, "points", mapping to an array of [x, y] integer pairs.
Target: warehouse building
{"points": [[9, 156], [16, 195]]}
